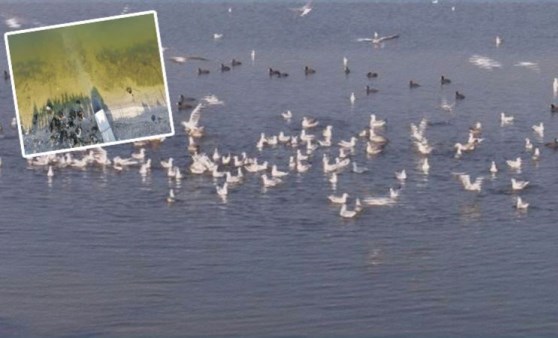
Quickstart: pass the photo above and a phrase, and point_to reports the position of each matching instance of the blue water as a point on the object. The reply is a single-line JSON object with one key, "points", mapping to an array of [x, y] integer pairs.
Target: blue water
{"points": [[97, 252]]}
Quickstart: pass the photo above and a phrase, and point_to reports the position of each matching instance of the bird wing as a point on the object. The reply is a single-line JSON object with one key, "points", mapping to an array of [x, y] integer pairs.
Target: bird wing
{"points": [[386, 38], [197, 58], [195, 115], [465, 180], [364, 39]]}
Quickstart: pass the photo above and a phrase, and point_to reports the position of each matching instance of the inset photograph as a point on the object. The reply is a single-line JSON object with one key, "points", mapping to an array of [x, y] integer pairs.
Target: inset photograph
{"points": [[89, 83]]}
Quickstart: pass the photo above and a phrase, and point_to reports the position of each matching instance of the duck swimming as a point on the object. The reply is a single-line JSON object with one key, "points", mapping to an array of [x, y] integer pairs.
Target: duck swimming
{"points": [[553, 144], [308, 70], [203, 71], [370, 90]]}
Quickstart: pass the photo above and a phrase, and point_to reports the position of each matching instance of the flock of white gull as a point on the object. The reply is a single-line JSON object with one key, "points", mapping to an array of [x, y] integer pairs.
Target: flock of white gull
{"points": [[231, 169]]}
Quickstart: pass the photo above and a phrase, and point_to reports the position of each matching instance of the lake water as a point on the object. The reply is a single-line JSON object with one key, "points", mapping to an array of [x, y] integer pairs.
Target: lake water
{"points": [[97, 252]]}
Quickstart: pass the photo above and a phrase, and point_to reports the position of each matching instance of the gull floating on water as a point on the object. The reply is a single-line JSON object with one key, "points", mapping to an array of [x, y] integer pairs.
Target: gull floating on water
{"points": [[425, 167], [504, 120], [493, 168], [270, 182], [401, 175], [217, 36], [301, 167], [287, 115], [539, 129], [359, 170], [233, 179], [466, 182], [381, 201], [222, 191], [139, 156], [514, 164], [375, 122], [536, 154], [394, 194], [349, 213], [518, 185], [499, 40], [348, 144], [308, 122], [167, 164], [333, 178], [338, 199], [528, 144], [144, 169], [373, 149], [170, 197], [520, 205], [277, 173]]}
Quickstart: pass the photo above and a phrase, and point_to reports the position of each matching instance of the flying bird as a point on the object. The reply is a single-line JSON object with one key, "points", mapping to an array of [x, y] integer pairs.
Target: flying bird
{"points": [[377, 39], [183, 59], [304, 10]]}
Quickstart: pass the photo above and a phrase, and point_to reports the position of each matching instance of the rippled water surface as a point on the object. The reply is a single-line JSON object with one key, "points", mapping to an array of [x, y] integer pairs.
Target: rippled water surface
{"points": [[97, 252]]}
